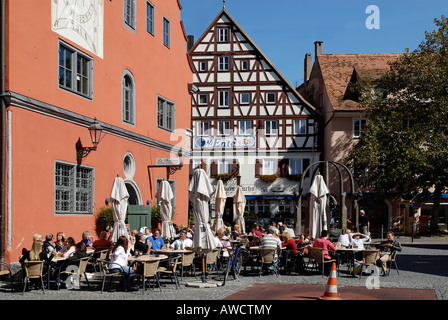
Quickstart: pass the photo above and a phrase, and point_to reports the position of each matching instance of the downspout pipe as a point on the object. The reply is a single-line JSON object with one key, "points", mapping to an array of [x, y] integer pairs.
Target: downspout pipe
{"points": [[3, 129]]}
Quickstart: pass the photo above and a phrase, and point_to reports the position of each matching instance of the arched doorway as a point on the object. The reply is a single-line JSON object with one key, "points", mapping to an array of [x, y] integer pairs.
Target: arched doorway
{"points": [[135, 197]]}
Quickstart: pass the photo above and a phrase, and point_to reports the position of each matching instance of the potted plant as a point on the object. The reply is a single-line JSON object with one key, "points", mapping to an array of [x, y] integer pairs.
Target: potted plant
{"points": [[269, 178], [224, 177]]}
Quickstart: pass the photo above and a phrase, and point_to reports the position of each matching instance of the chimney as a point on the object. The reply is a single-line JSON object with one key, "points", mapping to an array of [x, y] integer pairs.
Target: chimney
{"points": [[190, 42], [308, 65], [318, 47]]}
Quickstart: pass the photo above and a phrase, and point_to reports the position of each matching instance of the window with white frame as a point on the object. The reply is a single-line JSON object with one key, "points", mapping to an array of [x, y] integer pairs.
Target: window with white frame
{"points": [[128, 98], [223, 128], [223, 99], [224, 166], [245, 98], [244, 65], [245, 127], [149, 18], [295, 166], [223, 34], [166, 33], [203, 128], [271, 128], [223, 63], [165, 114], [269, 166], [75, 71], [74, 189], [129, 13], [271, 97], [357, 127], [285, 206], [263, 206], [300, 127], [203, 99]]}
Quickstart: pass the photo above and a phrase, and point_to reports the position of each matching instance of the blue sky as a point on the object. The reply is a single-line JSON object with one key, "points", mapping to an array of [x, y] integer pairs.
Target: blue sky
{"points": [[285, 30]]}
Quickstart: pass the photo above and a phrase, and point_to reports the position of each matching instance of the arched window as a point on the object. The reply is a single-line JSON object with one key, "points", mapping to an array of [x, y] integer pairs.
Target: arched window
{"points": [[128, 98]]}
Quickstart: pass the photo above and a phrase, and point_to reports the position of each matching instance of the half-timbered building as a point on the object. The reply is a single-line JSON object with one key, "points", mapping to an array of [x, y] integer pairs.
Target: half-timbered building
{"points": [[250, 126]]}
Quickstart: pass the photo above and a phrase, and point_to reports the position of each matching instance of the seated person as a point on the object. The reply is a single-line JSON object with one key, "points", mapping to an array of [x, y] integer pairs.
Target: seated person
{"points": [[386, 249], [345, 238], [325, 244], [288, 242], [102, 242], [36, 253], [69, 248], [225, 242], [87, 238], [60, 241], [156, 240], [183, 242], [140, 247], [80, 252], [236, 232], [358, 244], [270, 241], [48, 247], [256, 230]]}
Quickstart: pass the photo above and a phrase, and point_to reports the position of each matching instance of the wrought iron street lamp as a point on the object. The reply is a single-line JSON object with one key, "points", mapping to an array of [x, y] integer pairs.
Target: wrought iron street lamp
{"points": [[95, 130]]}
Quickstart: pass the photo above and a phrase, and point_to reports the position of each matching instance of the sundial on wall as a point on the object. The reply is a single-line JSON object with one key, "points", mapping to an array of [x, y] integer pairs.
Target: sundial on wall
{"points": [[80, 21]]}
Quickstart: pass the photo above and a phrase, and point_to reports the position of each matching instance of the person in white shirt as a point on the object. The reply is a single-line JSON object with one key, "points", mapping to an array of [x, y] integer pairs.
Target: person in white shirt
{"points": [[271, 242], [346, 238], [183, 242], [358, 244], [119, 261]]}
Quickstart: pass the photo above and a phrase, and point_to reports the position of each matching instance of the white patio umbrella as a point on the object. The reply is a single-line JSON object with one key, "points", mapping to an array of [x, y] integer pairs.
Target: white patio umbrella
{"points": [[200, 190], [220, 202], [164, 195], [318, 203], [119, 196], [240, 203]]}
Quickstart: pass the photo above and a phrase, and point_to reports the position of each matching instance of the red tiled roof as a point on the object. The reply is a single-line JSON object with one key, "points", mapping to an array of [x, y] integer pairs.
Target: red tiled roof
{"points": [[337, 70]]}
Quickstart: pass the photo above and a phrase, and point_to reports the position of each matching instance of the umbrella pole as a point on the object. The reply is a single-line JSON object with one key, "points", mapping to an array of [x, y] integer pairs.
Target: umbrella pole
{"points": [[203, 268]]}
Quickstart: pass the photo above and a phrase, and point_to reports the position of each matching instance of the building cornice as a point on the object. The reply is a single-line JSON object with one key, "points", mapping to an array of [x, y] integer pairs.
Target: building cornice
{"points": [[20, 101]]}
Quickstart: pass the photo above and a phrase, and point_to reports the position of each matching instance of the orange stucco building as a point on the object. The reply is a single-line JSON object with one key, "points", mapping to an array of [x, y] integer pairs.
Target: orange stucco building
{"points": [[65, 63]]}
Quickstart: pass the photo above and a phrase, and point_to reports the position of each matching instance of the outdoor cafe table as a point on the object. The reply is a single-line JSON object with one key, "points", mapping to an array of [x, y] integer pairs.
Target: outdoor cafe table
{"points": [[146, 257], [350, 254]]}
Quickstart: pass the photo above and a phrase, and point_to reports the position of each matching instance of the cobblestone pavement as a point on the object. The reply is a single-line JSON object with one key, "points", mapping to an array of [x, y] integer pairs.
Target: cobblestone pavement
{"points": [[423, 264]]}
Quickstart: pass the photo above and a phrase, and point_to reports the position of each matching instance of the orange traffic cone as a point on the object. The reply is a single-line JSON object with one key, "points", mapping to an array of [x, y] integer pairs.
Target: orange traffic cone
{"points": [[331, 292]]}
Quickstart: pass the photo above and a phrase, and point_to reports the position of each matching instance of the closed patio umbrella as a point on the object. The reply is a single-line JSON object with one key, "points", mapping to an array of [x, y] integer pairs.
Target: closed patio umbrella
{"points": [[164, 195], [318, 203], [220, 202], [200, 190], [119, 196], [240, 203]]}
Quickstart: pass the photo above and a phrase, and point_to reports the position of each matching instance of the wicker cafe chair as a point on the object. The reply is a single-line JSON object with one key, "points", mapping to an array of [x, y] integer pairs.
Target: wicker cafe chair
{"points": [[211, 259], [187, 261], [99, 254], [369, 258], [81, 265], [171, 270], [6, 272], [34, 270], [150, 271], [105, 273], [268, 257], [317, 255]]}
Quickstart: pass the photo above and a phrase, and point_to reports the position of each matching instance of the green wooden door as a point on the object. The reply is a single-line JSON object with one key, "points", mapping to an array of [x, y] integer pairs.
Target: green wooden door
{"points": [[139, 216]]}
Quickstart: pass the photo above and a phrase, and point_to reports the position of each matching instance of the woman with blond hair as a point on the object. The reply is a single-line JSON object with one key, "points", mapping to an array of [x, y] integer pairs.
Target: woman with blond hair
{"points": [[36, 253]]}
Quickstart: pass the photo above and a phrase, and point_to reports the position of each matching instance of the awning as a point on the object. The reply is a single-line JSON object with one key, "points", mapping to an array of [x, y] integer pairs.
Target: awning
{"points": [[270, 197]]}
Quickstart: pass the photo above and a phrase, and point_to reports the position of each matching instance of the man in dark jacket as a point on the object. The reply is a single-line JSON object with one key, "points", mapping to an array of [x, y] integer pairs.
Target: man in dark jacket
{"points": [[386, 249]]}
